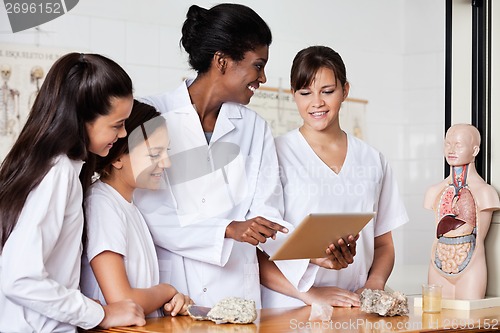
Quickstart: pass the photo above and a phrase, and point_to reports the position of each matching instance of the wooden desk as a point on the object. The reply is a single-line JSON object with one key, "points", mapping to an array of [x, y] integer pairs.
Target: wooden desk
{"points": [[295, 320]]}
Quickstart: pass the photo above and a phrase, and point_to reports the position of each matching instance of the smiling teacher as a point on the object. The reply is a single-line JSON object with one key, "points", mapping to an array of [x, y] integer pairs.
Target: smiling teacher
{"points": [[225, 194]]}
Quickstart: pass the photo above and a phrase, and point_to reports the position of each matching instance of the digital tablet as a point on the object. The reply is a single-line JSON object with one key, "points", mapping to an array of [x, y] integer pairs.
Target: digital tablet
{"points": [[316, 231]]}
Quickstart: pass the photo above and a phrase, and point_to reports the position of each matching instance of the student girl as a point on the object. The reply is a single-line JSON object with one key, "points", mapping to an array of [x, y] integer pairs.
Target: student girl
{"points": [[119, 247], [80, 110], [349, 175]]}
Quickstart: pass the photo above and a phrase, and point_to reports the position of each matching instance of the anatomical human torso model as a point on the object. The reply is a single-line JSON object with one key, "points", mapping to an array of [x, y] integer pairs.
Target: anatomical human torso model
{"points": [[463, 205]]}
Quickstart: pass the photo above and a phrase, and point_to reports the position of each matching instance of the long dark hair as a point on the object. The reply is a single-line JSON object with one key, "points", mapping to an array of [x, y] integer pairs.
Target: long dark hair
{"points": [[78, 89], [232, 29]]}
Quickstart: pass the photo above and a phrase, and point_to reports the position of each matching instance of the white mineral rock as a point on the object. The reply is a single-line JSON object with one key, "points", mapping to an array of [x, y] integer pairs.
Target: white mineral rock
{"points": [[230, 310], [384, 303]]}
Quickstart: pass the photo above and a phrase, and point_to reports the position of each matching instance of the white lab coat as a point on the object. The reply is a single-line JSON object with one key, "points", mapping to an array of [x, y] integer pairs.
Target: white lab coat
{"points": [[116, 225], [40, 262], [364, 184], [233, 178]]}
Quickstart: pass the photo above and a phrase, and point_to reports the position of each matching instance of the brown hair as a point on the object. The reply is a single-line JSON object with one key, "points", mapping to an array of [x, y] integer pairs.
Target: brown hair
{"points": [[310, 60], [140, 114]]}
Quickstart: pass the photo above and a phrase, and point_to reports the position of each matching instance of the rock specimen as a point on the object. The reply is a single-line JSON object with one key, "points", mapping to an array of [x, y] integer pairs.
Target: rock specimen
{"points": [[384, 303], [229, 310]]}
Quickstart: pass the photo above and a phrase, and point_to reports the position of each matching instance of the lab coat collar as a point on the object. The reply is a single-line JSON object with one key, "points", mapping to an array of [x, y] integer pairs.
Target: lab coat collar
{"points": [[227, 112], [224, 124]]}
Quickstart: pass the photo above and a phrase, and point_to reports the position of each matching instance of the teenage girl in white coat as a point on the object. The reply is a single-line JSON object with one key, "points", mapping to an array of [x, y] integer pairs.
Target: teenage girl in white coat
{"points": [[120, 260], [325, 170], [80, 111]]}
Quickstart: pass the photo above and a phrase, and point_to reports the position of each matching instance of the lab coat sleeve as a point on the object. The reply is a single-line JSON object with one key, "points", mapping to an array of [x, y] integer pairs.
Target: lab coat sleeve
{"points": [[268, 196], [203, 241], [268, 202], [24, 278]]}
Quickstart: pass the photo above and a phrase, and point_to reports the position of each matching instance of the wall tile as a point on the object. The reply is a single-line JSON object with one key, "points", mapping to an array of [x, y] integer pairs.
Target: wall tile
{"points": [[142, 45], [424, 26], [68, 31], [171, 54], [108, 37]]}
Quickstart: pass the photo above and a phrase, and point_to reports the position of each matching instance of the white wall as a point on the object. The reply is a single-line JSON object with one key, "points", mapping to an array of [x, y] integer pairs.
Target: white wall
{"points": [[419, 160], [393, 50]]}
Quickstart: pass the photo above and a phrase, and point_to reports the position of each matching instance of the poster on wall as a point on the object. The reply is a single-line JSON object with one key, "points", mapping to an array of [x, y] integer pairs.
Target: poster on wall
{"points": [[278, 108], [22, 70]]}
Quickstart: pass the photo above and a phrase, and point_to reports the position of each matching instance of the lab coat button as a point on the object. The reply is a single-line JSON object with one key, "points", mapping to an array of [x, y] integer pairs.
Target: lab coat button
{"points": [[204, 290], [203, 200]]}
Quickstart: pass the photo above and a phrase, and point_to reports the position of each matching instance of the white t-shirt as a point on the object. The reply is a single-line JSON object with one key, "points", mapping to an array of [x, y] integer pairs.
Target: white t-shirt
{"points": [[40, 262], [114, 224], [364, 184]]}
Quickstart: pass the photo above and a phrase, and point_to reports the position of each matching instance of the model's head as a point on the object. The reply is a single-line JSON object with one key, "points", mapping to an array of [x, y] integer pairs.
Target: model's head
{"points": [[231, 29], [462, 144], [309, 61], [140, 158]]}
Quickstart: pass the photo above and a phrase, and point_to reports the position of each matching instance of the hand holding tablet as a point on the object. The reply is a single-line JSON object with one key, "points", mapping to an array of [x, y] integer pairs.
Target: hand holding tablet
{"points": [[317, 231], [339, 255]]}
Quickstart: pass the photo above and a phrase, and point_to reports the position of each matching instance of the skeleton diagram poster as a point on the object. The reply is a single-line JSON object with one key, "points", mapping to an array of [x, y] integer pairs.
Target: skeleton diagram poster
{"points": [[22, 69]]}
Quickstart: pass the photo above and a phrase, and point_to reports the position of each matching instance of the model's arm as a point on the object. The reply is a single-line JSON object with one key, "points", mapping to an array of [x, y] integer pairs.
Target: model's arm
{"points": [[383, 262], [272, 278], [109, 270], [487, 198]]}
